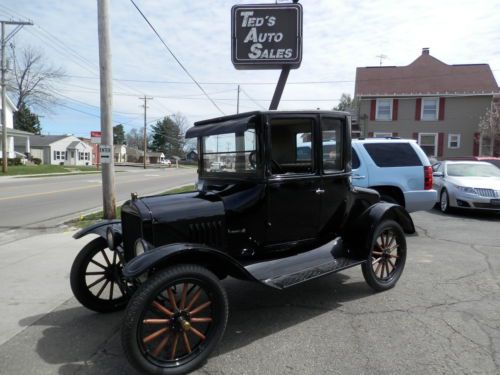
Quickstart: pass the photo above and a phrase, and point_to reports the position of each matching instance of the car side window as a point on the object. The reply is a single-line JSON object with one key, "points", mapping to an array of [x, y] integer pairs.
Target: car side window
{"points": [[355, 160], [331, 136], [291, 146]]}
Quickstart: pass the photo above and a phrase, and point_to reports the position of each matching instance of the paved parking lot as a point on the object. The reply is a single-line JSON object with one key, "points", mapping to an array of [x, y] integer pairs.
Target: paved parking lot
{"points": [[443, 317]]}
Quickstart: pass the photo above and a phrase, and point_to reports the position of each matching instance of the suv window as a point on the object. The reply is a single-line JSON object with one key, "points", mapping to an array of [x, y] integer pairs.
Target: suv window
{"points": [[393, 154], [355, 160]]}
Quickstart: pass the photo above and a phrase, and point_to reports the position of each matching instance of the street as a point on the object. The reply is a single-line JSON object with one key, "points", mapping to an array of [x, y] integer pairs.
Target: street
{"points": [[40, 203], [443, 317]]}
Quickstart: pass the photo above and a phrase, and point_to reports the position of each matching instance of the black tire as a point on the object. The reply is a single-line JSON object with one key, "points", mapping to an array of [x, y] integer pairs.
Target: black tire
{"points": [[444, 201], [96, 278], [388, 236], [150, 344]]}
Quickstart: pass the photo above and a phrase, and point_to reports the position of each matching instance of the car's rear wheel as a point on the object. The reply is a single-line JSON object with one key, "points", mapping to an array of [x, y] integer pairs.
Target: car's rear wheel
{"points": [[387, 256], [174, 320], [96, 278], [444, 201]]}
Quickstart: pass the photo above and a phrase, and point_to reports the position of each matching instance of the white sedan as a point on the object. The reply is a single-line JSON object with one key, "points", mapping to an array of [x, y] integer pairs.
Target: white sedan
{"points": [[467, 184]]}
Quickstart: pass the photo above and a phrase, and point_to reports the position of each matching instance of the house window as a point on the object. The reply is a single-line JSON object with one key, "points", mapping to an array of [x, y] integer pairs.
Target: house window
{"points": [[430, 109], [453, 140], [87, 156], [384, 110], [382, 135], [59, 155], [428, 143]]}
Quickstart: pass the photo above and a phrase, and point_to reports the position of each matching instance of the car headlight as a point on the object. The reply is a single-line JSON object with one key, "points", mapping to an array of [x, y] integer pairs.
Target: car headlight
{"points": [[113, 238], [140, 246], [465, 189]]}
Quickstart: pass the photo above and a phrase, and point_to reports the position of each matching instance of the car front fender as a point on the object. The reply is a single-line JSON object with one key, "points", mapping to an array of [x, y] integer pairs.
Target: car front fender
{"points": [[217, 261], [99, 228], [359, 232]]}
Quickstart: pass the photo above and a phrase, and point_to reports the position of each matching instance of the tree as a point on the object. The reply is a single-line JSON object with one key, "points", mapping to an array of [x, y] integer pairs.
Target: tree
{"points": [[135, 138], [118, 134], [32, 79], [346, 103], [489, 128], [168, 135], [27, 121]]}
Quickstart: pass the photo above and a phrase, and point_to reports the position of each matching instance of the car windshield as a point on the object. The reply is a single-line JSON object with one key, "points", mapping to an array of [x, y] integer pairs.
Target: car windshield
{"points": [[472, 170], [231, 153]]}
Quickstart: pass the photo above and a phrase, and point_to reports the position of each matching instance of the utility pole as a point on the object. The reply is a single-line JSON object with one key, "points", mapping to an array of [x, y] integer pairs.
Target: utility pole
{"points": [[145, 98], [238, 101], [107, 164], [19, 26]]}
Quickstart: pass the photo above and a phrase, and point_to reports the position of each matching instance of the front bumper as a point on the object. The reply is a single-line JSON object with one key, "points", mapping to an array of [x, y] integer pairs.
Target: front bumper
{"points": [[473, 201], [420, 200]]}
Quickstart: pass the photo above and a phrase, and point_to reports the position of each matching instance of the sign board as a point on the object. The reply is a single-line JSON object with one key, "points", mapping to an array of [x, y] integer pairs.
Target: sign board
{"points": [[266, 36], [95, 137], [106, 152]]}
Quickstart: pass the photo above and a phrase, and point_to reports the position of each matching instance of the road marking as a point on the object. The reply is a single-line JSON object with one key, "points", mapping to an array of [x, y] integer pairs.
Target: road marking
{"points": [[151, 175], [48, 192]]}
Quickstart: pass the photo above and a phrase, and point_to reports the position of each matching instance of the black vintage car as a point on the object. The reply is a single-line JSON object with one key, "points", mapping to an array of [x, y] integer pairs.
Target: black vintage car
{"points": [[273, 205]]}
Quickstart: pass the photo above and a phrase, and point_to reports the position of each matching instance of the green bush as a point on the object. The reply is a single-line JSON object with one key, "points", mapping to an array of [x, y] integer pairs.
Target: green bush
{"points": [[37, 161], [12, 161]]}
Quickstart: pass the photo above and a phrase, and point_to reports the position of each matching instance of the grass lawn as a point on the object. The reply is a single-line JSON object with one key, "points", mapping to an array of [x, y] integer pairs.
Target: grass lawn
{"points": [[20, 170], [85, 221]]}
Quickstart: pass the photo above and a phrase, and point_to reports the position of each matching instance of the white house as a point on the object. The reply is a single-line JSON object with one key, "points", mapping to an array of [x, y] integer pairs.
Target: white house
{"points": [[61, 149], [18, 141]]}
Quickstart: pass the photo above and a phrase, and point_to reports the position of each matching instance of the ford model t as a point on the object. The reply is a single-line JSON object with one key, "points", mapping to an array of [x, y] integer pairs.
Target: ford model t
{"points": [[274, 204]]}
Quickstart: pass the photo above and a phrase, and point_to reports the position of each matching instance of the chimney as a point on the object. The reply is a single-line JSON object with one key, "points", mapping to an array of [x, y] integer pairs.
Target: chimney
{"points": [[425, 51]]}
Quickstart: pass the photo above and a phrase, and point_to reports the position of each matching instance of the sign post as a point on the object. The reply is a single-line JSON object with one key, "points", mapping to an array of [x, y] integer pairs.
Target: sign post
{"points": [[267, 36]]}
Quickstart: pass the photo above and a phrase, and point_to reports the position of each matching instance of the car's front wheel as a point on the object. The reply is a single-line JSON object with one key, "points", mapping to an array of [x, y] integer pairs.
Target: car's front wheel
{"points": [[96, 278], [444, 202], [387, 256], [174, 320]]}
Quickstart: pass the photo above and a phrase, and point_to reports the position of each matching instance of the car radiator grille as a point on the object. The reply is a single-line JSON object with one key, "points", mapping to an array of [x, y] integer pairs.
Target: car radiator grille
{"points": [[488, 193], [207, 232], [132, 230]]}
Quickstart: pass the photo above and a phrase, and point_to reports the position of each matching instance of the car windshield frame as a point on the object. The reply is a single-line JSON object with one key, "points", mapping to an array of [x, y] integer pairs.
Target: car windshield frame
{"points": [[225, 160]]}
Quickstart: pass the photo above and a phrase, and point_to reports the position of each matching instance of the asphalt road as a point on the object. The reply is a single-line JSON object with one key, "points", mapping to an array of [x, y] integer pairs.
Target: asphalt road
{"points": [[443, 317], [44, 202]]}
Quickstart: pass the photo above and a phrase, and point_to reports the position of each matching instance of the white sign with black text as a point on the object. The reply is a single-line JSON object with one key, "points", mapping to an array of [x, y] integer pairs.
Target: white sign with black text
{"points": [[106, 153]]}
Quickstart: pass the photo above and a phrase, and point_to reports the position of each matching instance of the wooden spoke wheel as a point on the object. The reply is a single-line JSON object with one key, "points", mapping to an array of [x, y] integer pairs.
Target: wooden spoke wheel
{"points": [[387, 256], [174, 320], [96, 278]]}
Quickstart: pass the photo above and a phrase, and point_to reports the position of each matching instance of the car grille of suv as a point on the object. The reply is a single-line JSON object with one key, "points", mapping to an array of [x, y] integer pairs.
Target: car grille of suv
{"points": [[207, 232], [488, 193]]}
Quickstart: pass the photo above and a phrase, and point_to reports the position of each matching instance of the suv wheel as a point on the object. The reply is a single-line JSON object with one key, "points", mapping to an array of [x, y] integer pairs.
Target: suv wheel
{"points": [[444, 202]]}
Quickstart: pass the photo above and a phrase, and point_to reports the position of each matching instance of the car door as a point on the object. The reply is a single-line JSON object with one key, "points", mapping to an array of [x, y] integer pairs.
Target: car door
{"points": [[359, 170], [294, 184]]}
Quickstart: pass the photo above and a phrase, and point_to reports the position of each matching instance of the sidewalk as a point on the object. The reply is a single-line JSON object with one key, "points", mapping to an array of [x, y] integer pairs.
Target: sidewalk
{"points": [[34, 278]]}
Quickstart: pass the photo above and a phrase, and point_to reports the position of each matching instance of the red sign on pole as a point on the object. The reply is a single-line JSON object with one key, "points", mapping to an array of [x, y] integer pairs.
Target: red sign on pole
{"points": [[95, 137]]}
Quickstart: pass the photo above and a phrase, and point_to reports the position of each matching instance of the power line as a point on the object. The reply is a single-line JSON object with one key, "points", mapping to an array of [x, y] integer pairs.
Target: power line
{"points": [[176, 59]]}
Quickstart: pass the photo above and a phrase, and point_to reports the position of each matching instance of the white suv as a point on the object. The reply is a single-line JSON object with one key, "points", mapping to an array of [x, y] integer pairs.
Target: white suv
{"points": [[397, 168]]}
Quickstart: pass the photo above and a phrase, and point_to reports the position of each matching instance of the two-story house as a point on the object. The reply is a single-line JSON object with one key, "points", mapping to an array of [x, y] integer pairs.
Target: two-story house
{"points": [[437, 104]]}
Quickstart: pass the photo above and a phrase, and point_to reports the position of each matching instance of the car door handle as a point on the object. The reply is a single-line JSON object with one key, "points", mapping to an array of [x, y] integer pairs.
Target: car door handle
{"points": [[319, 191], [357, 177]]}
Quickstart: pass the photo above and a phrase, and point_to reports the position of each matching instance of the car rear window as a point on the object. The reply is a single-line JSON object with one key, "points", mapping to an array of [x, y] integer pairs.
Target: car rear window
{"points": [[393, 154]]}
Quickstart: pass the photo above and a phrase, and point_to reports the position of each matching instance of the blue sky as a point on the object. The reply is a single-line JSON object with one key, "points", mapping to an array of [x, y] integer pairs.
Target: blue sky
{"points": [[338, 37]]}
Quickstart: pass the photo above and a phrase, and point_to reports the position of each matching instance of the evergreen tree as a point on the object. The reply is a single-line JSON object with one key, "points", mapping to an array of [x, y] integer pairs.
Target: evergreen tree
{"points": [[168, 137], [118, 134], [27, 121]]}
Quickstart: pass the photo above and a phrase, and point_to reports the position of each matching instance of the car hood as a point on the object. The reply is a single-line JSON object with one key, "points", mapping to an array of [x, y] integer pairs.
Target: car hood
{"points": [[476, 182]]}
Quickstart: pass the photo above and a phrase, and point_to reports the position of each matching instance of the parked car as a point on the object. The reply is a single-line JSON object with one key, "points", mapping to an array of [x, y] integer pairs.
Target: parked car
{"points": [[166, 162], [274, 218], [397, 168], [467, 185], [490, 159]]}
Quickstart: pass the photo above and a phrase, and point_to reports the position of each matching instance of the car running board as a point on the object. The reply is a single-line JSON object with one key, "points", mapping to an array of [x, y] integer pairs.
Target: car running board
{"points": [[285, 272]]}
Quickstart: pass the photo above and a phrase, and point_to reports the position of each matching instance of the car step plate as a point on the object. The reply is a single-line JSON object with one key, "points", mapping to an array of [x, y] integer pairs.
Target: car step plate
{"points": [[284, 272]]}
